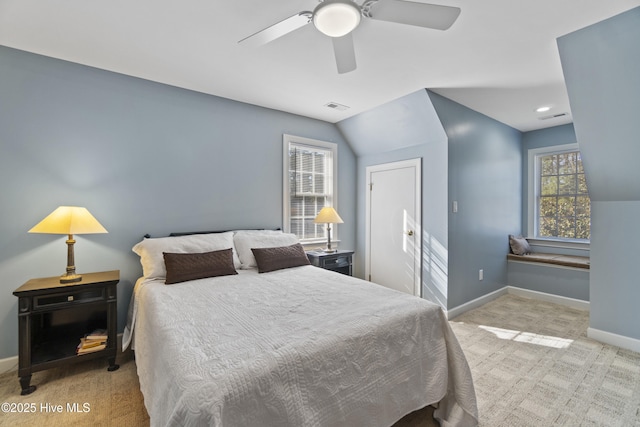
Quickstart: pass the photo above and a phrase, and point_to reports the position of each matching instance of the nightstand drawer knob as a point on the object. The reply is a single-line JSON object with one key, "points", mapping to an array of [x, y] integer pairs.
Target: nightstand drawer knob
{"points": [[70, 298]]}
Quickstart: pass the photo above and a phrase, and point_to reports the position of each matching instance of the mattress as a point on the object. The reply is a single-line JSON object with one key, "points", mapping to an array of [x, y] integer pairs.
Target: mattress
{"points": [[296, 347]]}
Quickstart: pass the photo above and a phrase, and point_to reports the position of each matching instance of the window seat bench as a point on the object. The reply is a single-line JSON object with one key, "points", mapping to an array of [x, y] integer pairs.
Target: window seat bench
{"points": [[574, 261]]}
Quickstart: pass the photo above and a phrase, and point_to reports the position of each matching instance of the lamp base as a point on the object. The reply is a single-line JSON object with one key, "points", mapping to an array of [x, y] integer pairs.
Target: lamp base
{"points": [[329, 251], [70, 278]]}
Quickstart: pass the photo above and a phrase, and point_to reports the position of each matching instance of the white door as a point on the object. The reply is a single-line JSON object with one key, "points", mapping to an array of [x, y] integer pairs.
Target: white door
{"points": [[393, 225]]}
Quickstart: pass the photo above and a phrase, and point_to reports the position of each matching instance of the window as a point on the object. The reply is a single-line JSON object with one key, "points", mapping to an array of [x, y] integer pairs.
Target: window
{"points": [[561, 204], [309, 184]]}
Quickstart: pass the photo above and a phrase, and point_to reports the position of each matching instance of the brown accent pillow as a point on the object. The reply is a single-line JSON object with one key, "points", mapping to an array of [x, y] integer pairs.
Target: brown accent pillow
{"points": [[183, 267], [519, 245], [271, 259]]}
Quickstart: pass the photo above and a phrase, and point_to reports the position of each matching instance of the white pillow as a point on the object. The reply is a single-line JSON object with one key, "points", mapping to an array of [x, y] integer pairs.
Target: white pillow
{"points": [[245, 240], [152, 260]]}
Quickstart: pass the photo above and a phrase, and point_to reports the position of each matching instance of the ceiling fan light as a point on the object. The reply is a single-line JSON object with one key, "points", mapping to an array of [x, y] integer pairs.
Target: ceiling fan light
{"points": [[336, 18]]}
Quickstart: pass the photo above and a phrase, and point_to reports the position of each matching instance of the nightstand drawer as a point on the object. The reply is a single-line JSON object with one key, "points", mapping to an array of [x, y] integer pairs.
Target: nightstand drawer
{"points": [[68, 298], [339, 261]]}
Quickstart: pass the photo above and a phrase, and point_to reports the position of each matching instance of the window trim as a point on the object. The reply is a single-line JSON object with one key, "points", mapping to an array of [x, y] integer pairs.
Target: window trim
{"points": [[532, 211], [286, 196]]}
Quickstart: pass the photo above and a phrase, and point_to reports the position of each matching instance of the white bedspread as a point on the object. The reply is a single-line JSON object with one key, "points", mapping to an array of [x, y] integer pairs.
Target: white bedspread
{"points": [[296, 347]]}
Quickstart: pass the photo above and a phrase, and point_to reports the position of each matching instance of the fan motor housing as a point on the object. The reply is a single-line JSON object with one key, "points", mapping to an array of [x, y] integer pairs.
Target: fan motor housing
{"points": [[336, 18]]}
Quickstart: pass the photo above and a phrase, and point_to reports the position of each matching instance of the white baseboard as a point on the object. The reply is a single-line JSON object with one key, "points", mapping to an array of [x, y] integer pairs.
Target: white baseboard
{"points": [[556, 299], [614, 339], [525, 293], [9, 364], [457, 311]]}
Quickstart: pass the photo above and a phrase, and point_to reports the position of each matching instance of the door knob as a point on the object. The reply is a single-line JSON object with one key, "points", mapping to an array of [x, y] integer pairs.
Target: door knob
{"points": [[409, 232]]}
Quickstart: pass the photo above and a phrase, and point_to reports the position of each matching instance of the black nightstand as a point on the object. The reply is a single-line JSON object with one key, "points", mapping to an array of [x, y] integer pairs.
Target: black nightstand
{"points": [[53, 316], [340, 261]]}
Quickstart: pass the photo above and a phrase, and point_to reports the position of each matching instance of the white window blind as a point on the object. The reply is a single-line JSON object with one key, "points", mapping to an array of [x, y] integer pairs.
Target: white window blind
{"points": [[309, 185]]}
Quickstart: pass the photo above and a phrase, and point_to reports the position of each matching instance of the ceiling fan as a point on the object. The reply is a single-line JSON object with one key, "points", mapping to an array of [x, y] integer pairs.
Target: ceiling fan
{"points": [[338, 18]]}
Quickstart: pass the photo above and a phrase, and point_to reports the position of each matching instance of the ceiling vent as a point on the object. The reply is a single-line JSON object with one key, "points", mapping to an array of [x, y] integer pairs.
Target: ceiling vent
{"points": [[553, 116], [336, 106]]}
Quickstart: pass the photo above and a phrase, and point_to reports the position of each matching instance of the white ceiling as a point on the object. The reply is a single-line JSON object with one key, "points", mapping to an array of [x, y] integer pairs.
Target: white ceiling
{"points": [[499, 58]]}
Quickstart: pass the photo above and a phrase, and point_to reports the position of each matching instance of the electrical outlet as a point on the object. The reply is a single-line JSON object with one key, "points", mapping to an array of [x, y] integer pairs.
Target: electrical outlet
{"points": [[481, 274], [454, 208]]}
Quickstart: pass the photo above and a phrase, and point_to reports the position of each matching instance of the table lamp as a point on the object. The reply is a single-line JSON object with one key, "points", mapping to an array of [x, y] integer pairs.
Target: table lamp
{"points": [[69, 220], [328, 215]]}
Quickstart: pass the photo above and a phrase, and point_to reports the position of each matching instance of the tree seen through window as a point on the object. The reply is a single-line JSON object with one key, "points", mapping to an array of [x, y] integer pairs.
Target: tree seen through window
{"points": [[564, 207]]}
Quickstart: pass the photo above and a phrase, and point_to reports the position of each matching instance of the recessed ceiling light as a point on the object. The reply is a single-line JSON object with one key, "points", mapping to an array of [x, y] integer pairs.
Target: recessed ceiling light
{"points": [[542, 109]]}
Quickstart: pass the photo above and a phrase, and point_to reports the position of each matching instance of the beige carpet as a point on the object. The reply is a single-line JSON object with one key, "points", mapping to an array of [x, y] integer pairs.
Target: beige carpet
{"points": [[114, 398], [531, 361], [533, 365]]}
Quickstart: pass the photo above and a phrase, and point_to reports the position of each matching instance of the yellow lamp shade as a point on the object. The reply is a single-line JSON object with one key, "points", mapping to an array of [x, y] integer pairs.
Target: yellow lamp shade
{"points": [[328, 215], [69, 220]]}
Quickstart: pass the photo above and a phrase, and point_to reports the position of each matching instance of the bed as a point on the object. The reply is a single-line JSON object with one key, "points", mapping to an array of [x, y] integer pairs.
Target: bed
{"points": [[273, 341]]}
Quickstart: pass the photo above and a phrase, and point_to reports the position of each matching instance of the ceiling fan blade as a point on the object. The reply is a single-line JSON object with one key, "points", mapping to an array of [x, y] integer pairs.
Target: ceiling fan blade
{"points": [[411, 13], [275, 31], [345, 53]]}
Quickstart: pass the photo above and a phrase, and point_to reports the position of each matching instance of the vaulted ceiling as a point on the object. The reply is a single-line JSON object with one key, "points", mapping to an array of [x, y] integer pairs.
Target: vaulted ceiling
{"points": [[499, 58]]}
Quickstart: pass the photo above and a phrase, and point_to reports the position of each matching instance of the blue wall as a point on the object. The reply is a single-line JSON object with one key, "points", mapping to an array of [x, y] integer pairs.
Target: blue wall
{"points": [[407, 128], [601, 65], [615, 287], [143, 158], [565, 282], [402, 123], [467, 157], [485, 179]]}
